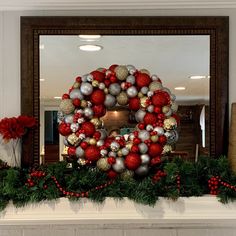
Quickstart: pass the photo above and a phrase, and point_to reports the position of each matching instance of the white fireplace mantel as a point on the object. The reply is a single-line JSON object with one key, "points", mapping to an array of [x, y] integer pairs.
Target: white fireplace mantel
{"points": [[192, 210]]}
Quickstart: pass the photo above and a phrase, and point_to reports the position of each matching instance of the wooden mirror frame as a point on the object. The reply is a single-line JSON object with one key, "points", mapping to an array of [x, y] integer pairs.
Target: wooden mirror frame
{"points": [[216, 27]]}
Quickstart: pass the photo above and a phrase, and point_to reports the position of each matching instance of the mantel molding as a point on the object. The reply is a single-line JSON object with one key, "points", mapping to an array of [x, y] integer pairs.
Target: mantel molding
{"points": [[198, 211], [6, 5]]}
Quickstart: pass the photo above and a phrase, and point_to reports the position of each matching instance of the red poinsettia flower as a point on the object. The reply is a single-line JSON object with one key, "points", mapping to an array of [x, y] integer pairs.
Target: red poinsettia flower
{"points": [[16, 127]]}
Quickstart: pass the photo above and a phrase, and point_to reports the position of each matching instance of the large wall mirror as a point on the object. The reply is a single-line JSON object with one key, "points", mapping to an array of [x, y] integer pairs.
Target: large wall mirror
{"points": [[189, 54]]}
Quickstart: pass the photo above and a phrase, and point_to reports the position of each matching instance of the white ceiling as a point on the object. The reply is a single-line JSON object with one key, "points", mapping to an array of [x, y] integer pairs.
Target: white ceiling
{"points": [[112, 4], [172, 58]]}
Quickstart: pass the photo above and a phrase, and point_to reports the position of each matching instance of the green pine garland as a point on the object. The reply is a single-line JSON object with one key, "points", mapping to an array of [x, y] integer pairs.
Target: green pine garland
{"points": [[14, 183]]}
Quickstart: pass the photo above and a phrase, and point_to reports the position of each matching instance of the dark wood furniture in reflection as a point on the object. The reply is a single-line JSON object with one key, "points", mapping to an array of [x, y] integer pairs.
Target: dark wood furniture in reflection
{"points": [[216, 27]]}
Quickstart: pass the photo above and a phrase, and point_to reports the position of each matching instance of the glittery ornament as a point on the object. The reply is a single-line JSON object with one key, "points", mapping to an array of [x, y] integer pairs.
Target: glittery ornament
{"points": [[119, 165], [134, 104], [115, 146], [170, 123], [103, 165], [69, 119], [121, 72], [114, 89], [76, 93], [92, 153], [122, 98], [132, 91], [167, 149], [88, 128], [81, 161], [97, 122], [143, 80], [127, 175], [97, 97], [73, 139], [150, 118], [67, 106], [155, 85]]}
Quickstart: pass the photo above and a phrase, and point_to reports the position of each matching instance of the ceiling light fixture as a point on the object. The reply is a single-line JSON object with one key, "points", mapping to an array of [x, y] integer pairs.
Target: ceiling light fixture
{"points": [[41, 46], [199, 77], [90, 48], [180, 88], [57, 97], [89, 37], [42, 80]]}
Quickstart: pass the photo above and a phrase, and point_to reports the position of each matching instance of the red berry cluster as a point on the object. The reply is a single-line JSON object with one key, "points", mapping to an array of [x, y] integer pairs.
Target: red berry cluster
{"points": [[215, 182], [34, 176], [178, 182], [81, 194], [158, 176]]}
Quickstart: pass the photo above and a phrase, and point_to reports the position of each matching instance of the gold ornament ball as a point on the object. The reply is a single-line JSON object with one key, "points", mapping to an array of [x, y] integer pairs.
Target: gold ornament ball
{"points": [[102, 164], [92, 141], [119, 153], [106, 91], [154, 138], [127, 175], [143, 102], [121, 72], [73, 139], [165, 109], [129, 145], [76, 85], [155, 85], [122, 98], [95, 83], [145, 71], [140, 95], [67, 106], [97, 122], [83, 103], [170, 123], [167, 149]]}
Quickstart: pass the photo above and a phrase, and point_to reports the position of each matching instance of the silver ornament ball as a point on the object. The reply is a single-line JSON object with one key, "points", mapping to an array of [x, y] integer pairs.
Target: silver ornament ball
{"points": [[119, 165], [143, 135], [110, 101], [76, 93], [142, 170], [145, 159], [132, 91], [139, 115], [143, 148], [86, 88]]}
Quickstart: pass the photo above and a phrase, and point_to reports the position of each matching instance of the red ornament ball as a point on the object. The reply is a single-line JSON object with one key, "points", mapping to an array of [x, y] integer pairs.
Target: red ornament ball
{"points": [[99, 110], [89, 128], [150, 118], [76, 102], [78, 79], [111, 174], [84, 145], [132, 161], [134, 104], [64, 129], [98, 97], [98, 75], [155, 149], [135, 148], [92, 153], [162, 139], [65, 96], [143, 80], [160, 99], [113, 67], [71, 151]]}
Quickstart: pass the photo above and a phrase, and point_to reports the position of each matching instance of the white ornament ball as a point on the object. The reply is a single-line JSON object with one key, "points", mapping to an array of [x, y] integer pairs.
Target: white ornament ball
{"points": [[143, 148], [160, 131], [142, 170], [131, 69], [150, 108], [114, 89], [150, 93], [132, 91], [115, 146], [139, 115], [110, 101], [86, 88], [101, 86], [112, 154], [88, 112], [145, 159], [143, 135], [100, 142], [69, 119], [154, 77], [130, 79], [125, 151], [149, 128], [119, 165], [74, 127], [76, 93], [79, 152], [144, 90]]}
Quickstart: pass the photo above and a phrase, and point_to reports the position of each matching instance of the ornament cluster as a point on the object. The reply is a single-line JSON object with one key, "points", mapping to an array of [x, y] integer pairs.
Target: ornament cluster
{"points": [[88, 99]]}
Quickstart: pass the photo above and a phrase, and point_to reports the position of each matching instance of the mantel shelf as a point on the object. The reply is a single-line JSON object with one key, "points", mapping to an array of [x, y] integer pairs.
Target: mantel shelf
{"points": [[193, 210]]}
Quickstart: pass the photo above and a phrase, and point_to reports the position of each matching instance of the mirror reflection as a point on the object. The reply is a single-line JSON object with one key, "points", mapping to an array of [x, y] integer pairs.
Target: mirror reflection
{"points": [[181, 62]]}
